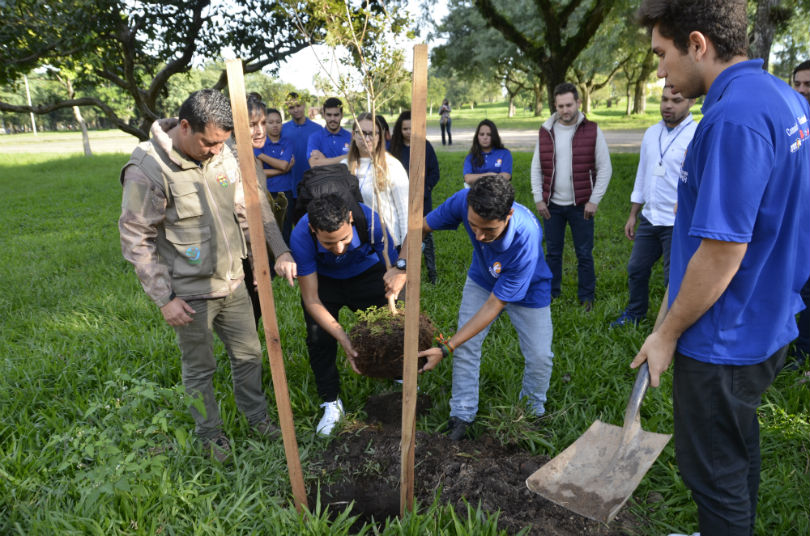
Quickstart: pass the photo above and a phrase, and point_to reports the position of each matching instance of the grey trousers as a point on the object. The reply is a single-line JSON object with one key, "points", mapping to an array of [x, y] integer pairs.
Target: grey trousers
{"points": [[232, 319]]}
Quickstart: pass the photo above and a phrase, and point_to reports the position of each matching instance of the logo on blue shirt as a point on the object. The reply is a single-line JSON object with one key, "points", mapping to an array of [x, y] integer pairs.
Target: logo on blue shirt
{"points": [[495, 269]]}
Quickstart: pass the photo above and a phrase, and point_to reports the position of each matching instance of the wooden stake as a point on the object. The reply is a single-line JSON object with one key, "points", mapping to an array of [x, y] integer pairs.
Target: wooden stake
{"points": [[414, 259], [261, 269]]}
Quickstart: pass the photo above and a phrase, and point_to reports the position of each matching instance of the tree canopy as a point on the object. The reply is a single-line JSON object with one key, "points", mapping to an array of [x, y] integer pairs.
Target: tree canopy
{"points": [[138, 47]]}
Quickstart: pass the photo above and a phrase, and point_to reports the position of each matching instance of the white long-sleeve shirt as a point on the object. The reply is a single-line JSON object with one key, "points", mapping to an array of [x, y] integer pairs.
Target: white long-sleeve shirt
{"points": [[563, 193], [657, 187], [393, 203]]}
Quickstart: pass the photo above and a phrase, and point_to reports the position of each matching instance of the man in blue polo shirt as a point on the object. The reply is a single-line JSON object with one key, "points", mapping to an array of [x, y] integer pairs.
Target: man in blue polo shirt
{"points": [[335, 270], [330, 144], [740, 246], [298, 130], [508, 272]]}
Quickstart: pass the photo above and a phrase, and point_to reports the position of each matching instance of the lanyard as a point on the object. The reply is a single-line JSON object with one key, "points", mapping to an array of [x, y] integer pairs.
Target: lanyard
{"points": [[677, 133]]}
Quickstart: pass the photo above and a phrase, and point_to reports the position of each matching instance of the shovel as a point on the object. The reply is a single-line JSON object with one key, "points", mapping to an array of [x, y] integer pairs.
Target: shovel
{"points": [[598, 472]]}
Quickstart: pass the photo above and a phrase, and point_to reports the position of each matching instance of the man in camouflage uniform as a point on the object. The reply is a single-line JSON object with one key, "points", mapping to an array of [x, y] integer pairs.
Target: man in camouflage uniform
{"points": [[181, 212]]}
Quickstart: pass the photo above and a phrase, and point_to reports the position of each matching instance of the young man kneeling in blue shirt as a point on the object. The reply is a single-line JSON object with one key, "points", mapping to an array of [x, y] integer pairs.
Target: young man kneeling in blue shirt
{"points": [[508, 271], [335, 269]]}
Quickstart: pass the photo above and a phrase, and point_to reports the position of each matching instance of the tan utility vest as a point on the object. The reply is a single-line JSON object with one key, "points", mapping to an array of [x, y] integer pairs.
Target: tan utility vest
{"points": [[200, 240]]}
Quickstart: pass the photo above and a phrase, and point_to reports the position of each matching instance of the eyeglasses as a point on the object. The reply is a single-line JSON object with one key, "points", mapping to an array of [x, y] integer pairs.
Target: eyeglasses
{"points": [[366, 134]]}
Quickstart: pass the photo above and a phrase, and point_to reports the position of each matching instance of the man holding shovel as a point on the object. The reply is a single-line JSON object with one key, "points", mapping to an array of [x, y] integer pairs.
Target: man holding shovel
{"points": [[740, 246], [508, 272]]}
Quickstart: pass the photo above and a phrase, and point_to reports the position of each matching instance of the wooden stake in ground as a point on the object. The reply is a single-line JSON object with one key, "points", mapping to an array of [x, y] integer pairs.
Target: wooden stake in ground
{"points": [[261, 269], [416, 202]]}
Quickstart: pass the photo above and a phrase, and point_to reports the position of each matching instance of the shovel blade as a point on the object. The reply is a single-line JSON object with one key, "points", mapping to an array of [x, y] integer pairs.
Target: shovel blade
{"points": [[597, 473]]}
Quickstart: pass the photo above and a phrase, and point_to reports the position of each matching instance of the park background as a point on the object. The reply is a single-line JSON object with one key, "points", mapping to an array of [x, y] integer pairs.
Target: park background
{"points": [[94, 433]]}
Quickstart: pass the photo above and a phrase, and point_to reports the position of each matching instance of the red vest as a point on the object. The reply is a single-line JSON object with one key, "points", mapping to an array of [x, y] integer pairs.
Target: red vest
{"points": [[583, 166]]}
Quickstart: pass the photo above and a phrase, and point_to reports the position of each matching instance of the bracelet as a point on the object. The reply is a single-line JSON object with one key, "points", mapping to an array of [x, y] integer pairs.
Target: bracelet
{"points": [[444, 345]]}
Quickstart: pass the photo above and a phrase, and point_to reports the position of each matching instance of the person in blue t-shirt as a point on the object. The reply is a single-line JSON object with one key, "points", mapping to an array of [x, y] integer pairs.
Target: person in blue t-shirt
{"points": [[330, 144], [275, 154], [739, 252], [487, 155], [508, 272], [298, 130], [336, 270]]}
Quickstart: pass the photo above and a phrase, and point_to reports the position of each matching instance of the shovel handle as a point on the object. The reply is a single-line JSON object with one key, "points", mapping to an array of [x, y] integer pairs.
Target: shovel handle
{"points": [[631, 414]]}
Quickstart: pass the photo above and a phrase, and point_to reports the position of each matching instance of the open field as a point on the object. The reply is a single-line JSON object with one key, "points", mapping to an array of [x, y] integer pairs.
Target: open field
{"points": [[518, 133], [94, 433]]}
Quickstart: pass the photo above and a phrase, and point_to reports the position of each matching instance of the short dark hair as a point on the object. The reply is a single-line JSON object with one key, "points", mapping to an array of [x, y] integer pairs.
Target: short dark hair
{"points": [[491, 197], [566, 87], [293, 97], [332, 102], [207, 107], [327, 213], [272, 111], [724, 22], [803, 66]]}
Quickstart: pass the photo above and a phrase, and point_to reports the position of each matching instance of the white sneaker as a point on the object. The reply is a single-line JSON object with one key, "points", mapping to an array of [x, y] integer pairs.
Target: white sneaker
{"points": [[332, 412], [676, 534]]}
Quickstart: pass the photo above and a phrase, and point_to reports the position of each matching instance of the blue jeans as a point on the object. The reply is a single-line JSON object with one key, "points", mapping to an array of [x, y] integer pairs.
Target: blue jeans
{"points": [[534, 333], [446, 128], [582, 233], [651, 243]]}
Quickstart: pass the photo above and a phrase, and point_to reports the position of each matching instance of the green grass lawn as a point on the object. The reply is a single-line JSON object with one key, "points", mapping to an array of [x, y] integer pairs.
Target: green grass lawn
{"points": [[94, 433]]}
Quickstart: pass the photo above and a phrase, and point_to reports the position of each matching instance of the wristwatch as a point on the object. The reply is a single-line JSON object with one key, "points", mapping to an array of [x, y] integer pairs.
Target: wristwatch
{"points": [[401, 264]]}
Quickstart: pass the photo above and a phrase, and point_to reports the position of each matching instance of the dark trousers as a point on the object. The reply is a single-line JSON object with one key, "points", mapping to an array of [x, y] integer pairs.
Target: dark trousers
{"points": [[446, 127], [359, 292], [429, 251], [651, 243], [582, 233], [802, 344], [286, 229], [717, 438]]}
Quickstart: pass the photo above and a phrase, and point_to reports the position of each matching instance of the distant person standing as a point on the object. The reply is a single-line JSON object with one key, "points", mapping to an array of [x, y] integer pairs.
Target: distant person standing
{"points": [[739, 252], [298, 130], [487, 155], [445, 121], [330, 144], [656, 190], [401, 149], [801, 347], [570, 174]]}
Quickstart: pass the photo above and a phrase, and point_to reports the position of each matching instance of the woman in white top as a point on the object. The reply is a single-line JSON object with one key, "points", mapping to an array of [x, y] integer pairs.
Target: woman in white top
{"points": [[383, 180]]}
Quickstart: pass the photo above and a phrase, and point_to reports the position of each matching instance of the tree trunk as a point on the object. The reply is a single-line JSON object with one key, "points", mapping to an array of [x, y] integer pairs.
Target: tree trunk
{"points": [[586, 99], [511, 112], [763, 31], [537, 89], [628, 102], [640, 96], [85, 138]]}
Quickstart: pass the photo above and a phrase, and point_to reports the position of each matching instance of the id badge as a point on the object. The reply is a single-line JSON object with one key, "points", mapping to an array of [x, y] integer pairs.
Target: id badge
{"points": [[659, 170]]}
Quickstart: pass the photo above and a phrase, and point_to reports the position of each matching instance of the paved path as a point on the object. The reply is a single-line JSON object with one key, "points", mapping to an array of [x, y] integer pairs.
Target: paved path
{"points": [[619, 141]]}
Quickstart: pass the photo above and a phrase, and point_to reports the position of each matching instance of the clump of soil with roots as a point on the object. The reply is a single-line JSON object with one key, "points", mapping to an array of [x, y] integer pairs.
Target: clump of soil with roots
{"points": [[378, 337]]}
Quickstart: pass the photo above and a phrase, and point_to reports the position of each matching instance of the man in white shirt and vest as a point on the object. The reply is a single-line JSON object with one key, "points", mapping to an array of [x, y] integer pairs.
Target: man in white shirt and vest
{"points": [[656, 190], [570, 174]]}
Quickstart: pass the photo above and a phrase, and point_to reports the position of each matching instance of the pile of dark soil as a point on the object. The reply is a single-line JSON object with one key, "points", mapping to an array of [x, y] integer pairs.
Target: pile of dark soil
{"points": [[366, 462], [378, 340]]}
